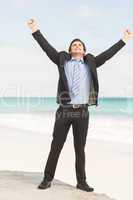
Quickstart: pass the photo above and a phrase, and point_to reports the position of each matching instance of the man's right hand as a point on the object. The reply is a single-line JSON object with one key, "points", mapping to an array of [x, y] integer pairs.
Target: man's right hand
{"points": [[32, 24]]}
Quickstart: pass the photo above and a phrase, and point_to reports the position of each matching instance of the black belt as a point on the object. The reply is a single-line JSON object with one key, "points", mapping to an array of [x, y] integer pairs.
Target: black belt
{"points": [[74, 105]]}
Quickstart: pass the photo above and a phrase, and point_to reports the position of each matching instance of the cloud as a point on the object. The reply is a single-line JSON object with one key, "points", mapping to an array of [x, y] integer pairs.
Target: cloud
{"points": [[115, 76], [26, 72], [20, 3], [84, 11]]}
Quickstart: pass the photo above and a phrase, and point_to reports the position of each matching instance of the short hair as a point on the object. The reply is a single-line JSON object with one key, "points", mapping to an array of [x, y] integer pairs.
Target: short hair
{"points": [[77, 39]]}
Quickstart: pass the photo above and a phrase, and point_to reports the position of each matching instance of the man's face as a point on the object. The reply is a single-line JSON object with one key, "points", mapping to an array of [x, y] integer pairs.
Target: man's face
{"points": [[77, 48]]}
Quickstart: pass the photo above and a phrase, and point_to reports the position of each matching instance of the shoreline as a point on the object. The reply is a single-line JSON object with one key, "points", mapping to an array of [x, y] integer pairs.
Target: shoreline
{"points": [[101, 127]]}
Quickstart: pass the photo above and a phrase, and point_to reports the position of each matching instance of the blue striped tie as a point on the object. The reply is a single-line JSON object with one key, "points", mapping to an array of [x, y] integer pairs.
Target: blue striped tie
{"points": [[76, 79]]}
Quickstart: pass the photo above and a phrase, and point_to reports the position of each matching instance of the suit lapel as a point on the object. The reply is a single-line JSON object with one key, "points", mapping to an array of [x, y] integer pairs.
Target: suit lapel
{"points": [[88, 59]]}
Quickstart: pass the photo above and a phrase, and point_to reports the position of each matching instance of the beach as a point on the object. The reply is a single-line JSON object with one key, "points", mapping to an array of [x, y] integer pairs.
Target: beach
{"points": [[22, 185], [25, 140]]}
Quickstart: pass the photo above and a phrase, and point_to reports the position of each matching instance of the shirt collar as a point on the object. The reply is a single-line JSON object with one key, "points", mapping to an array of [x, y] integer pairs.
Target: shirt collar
{"points": [[80, 60]]}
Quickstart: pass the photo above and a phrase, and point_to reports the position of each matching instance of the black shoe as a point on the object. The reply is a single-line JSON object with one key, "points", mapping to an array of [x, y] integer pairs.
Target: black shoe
{"points": [[84, 186], [44, 184]]}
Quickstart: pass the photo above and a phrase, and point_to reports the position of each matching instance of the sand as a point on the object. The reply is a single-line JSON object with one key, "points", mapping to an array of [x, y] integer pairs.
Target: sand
{"points": [[25, 143], [16, 185]]}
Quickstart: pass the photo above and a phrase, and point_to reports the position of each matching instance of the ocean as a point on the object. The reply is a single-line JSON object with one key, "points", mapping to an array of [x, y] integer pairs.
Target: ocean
{"points": [[114, 106]]}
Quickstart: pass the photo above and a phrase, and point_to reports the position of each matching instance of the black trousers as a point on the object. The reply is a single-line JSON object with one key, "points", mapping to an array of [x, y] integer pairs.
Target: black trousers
{"points": [[64, 117]]}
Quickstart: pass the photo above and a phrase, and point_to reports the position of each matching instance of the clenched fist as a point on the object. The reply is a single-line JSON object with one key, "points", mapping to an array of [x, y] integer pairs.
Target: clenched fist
{"points": [[32, 24], [127, 35]]}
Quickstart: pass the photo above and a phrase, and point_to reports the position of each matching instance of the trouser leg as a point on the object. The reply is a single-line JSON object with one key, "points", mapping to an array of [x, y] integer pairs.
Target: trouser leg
{"points": [[61, 128], [80, 129]]}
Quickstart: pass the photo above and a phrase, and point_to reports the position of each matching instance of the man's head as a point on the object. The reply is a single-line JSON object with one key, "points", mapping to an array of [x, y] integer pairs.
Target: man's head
{"points": [[77, 48]]}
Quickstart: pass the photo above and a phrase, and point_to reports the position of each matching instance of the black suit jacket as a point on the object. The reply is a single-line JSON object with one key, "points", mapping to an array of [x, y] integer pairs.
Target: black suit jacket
{"points": [[59, 58]]}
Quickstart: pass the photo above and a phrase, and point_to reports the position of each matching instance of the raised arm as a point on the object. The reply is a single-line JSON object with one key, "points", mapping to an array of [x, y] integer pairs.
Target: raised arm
{"points": [[109, 53], [44, 44]]}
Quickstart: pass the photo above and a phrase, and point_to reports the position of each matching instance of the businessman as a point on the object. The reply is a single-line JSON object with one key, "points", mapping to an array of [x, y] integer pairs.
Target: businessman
{"points": [[78, 88]]}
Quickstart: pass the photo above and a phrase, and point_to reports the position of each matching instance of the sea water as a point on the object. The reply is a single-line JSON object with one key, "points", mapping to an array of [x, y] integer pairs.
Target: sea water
{"points": [[115, 106]]}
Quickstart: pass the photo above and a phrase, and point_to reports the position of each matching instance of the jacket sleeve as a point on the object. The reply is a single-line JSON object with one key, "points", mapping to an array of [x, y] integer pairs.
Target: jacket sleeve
{"points": [[46, 46], [109, 53]]}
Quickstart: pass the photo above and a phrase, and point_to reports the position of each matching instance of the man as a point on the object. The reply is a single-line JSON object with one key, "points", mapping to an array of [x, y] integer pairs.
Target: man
{"points": [[77, 89]]}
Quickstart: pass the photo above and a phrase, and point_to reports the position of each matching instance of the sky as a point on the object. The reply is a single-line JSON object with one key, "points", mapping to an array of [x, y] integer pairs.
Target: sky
{"points": [[25, 70]]}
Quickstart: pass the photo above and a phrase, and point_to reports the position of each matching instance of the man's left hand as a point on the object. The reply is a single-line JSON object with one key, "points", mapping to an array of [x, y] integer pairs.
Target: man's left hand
{"points": [[127, 35]]}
